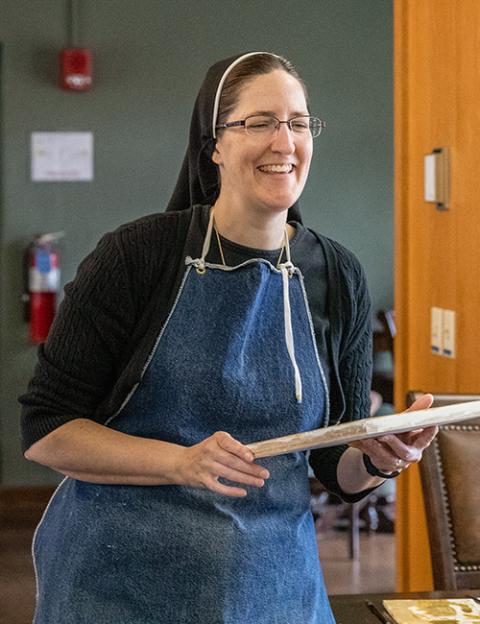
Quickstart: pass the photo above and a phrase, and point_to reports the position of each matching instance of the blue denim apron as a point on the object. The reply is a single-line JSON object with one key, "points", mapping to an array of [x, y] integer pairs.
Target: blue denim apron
{"points": [[114, 554]]}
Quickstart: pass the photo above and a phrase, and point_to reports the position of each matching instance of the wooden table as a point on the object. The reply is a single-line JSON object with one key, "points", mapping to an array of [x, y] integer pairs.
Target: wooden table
{"points": [[351, 608]]}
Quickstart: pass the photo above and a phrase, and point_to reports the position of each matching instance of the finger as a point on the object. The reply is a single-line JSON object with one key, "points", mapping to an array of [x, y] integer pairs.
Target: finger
{"points": [[399, 449], [227, 490], [382, 457], [232, 461], [228, 443], [420, 439], [410, 446], [372, 445], [423, 402], [400, 464], [411, 437], [237, 476]]}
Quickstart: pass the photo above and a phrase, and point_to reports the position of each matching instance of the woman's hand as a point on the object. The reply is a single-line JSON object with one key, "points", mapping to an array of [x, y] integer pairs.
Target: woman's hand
{"points": [[390, 453], [221, 455], [85, 450]]}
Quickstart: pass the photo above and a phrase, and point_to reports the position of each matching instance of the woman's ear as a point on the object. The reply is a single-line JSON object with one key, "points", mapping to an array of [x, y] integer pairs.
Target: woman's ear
{"points": [[216, 155]]}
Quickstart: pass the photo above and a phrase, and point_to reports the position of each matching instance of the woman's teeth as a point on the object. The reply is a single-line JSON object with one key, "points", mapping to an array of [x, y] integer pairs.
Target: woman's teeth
{"points": [[276, 168]]}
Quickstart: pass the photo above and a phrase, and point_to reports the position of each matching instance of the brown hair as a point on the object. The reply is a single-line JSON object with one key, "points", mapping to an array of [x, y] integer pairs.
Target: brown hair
{"points": [[247, 69]]}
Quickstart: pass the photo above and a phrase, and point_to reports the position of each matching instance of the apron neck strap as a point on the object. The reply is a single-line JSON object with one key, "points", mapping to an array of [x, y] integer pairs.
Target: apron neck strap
{"points": [[287, 270], [286, 243], [208, 239]]}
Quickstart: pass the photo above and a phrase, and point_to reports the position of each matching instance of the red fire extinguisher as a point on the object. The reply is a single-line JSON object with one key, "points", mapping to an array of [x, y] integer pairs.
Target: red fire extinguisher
{"points": [[42, 284]]}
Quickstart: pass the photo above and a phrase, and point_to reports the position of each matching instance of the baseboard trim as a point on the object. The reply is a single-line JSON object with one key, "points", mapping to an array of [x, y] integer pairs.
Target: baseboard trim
{"points": [[23, 506]]}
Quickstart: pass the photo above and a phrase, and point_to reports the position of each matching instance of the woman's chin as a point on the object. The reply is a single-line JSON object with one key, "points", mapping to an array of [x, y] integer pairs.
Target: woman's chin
{"points": [[279, 200], [281, 204]]}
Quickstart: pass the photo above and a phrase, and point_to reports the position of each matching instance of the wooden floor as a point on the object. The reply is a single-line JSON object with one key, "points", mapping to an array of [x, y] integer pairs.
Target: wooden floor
{"points": [[373, 572], [17, 579]]}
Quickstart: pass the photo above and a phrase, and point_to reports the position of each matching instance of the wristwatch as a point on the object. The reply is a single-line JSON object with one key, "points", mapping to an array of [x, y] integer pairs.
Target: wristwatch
{"points": [[375, 472]]}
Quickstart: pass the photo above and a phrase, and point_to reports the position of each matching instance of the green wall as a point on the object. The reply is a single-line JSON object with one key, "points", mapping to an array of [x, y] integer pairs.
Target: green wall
{"points": [[150, 58]]}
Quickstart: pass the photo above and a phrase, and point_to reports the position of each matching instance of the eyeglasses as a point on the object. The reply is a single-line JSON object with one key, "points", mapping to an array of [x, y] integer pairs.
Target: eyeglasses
{"points": [[303, 125]]}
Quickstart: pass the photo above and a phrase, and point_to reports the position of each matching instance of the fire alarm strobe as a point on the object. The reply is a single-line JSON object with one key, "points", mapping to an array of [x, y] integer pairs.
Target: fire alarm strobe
{"points": [[76, 69]]}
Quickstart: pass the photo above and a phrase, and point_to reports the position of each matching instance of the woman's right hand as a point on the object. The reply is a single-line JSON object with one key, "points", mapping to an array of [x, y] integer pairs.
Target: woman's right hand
{"points": [[221, 455]]}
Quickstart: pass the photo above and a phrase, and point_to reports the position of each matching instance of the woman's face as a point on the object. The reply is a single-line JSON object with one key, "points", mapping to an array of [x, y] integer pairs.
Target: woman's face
{"points": [[246, 161]]}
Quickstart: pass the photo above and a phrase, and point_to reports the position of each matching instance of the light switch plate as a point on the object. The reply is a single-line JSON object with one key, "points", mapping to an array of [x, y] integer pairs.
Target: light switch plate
{"points": [[430, 183], [436, 172]]}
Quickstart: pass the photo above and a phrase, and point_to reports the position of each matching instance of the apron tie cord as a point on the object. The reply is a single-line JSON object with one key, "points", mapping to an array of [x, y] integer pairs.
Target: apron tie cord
{"points": [[287, 270], [199, 263]]}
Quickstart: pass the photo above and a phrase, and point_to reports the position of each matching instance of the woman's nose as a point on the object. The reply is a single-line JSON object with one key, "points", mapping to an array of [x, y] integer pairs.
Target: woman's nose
{"points": [[283, 139]]}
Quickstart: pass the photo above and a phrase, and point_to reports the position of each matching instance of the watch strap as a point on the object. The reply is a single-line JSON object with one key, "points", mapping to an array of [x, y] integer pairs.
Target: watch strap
{"points": [[375, 472]]}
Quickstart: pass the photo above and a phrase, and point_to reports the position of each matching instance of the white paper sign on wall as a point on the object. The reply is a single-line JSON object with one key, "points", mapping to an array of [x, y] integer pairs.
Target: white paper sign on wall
{"points": [[61, 156]]}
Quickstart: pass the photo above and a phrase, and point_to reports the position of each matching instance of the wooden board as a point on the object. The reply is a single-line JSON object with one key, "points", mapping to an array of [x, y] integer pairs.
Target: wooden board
{"points": [[366, 428]]}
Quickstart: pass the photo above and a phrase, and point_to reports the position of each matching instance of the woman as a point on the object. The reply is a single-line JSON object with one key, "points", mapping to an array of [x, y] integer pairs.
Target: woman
{"points": [[184, 336]]}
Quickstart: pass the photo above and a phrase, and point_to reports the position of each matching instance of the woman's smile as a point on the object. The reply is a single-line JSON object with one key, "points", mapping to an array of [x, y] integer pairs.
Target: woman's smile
{"points": [[276, 169]]}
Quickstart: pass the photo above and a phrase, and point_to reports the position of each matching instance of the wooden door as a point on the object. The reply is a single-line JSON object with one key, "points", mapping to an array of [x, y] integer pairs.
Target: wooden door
{"points": [[437, 255]]}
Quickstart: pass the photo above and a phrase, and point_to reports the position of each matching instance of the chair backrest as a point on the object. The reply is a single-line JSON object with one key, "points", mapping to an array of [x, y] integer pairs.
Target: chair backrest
{"points": [[450, 474]]}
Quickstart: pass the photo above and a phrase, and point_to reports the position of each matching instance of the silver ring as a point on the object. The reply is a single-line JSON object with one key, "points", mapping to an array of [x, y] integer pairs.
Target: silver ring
{"points": [[399, 463]]}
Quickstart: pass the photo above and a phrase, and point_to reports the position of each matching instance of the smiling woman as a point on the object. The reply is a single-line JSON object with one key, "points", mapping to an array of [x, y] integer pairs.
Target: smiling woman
{"points": [[262, 173], [185, 336]]}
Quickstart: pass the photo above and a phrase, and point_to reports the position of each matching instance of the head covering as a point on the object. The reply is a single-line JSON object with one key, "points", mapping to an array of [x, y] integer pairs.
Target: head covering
{"points": [[198, 181]]}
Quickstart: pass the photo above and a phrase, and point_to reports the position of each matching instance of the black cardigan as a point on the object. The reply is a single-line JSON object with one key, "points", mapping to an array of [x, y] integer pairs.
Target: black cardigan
{"points": [[120, 299]]}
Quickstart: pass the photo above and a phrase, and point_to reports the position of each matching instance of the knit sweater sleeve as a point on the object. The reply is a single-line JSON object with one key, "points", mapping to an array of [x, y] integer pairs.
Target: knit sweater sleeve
{"points": [[354, 368], [355, 361], [78, 364]]}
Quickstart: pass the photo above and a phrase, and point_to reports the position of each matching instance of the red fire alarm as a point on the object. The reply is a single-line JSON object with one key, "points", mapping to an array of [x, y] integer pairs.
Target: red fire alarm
{"points": [[76, 69]]}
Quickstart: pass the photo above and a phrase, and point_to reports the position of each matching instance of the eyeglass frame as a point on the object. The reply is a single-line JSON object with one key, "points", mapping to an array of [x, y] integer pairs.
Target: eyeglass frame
{"points": [[242, 123]]}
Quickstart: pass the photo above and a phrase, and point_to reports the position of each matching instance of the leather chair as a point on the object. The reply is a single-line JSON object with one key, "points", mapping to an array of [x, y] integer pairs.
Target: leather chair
{"points": [[450, 475]]}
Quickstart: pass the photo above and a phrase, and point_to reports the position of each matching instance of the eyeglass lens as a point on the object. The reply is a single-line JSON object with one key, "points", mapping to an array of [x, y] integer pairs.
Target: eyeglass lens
{"points": [[259, 124]]}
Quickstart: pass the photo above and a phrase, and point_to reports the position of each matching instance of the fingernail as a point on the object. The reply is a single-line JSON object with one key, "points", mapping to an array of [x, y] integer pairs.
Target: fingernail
{"points": [[264, 474]]}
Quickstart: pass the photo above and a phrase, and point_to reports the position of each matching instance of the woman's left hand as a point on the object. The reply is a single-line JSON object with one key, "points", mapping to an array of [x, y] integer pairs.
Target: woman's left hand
{"points": [[390, 452]]}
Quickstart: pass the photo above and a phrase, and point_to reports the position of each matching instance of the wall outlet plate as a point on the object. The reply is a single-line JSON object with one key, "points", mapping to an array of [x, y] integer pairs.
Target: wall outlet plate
{"points": [[448, 333]]}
